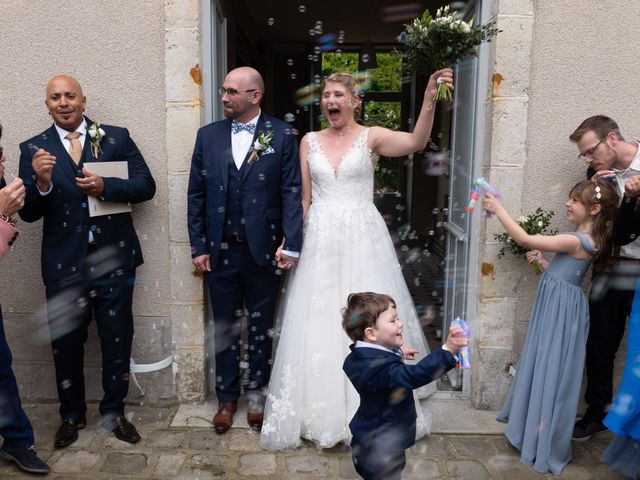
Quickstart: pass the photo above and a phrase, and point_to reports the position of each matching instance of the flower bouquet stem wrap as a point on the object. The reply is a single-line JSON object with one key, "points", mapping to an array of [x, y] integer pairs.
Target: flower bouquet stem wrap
{"points": [[432, 43], [536, 223]]}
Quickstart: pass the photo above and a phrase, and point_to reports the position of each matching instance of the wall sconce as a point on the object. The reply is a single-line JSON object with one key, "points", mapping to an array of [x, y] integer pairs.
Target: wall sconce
{"points": [[367, 56]]}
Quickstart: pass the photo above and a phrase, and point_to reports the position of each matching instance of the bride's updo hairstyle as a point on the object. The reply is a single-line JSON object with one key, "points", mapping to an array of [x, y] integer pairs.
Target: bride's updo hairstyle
{"points": [[351, 84]]}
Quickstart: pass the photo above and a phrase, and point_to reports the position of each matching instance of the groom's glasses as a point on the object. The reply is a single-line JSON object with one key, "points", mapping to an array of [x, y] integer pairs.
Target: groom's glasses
{"points": [[232, 91], [589, 153]]}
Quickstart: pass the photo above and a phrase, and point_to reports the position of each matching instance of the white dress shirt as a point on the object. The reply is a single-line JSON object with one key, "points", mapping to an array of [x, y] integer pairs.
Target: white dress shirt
{"points": [[241, 143]]}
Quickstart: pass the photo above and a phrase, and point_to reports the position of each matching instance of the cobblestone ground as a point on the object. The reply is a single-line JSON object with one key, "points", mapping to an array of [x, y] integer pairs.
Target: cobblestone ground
{"points": [[199, 453]]}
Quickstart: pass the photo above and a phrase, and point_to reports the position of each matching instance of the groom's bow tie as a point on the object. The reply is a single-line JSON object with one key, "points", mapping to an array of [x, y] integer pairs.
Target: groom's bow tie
{"points": [[237, 127]]}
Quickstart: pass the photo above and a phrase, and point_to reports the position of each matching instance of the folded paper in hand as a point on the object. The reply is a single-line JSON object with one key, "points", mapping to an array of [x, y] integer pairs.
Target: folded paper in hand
{"points": [[107, 169]]}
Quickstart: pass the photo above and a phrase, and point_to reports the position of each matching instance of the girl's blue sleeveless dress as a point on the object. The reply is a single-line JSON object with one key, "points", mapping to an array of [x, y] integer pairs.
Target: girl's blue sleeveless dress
{"points": [[541, 407]]}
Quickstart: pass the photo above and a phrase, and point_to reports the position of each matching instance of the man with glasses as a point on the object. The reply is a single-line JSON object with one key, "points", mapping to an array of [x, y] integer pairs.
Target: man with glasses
{"points": [[15, 427], [244, 220], [608, 155]]}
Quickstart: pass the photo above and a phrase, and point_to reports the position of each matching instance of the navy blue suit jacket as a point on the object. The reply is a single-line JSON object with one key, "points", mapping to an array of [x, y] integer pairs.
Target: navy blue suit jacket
{"points": [[64, 211], [271, 202], [385, 385]]}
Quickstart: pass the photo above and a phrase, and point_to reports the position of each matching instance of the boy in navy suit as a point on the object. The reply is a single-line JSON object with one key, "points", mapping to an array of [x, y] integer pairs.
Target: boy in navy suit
{"points": [[385, 424]]}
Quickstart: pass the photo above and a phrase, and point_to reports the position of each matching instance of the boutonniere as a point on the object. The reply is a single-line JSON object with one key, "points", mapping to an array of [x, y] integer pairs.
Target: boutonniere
{"points": [[96, 134], [261, 146]]}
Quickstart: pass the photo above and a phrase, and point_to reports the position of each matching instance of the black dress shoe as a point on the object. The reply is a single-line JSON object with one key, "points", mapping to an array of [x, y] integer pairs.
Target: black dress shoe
{"points": [[125, 431], [68, 431], [25, 457]]}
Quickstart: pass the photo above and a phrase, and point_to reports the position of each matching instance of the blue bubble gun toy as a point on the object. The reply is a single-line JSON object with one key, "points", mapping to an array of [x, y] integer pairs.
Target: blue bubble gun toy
{"points": [[480, 187], [464, 354]]}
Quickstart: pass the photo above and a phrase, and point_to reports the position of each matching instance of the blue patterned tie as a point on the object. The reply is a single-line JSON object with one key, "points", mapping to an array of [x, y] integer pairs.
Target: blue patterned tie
{"points": [[237, 127]]}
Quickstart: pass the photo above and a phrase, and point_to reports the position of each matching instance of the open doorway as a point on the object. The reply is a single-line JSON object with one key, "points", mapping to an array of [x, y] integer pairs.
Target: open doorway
{"points": [[422, 197]]}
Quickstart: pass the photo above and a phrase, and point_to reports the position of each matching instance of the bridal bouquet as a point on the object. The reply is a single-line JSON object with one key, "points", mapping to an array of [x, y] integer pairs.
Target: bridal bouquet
{"points": [[536, 223], [431, 43]]}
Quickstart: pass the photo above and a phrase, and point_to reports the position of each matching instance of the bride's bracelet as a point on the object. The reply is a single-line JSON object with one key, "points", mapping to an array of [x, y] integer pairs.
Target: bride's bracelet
{"points": [[11, 221]]}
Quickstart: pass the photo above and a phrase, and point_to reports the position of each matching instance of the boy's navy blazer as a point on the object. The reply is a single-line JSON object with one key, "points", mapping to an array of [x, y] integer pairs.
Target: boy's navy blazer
{"points": [[271, 203], [65, 213], [385, 384]]}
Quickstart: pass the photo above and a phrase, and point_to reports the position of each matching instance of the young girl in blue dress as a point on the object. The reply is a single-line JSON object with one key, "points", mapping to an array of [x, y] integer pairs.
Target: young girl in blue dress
{"points": [[541, 407]]}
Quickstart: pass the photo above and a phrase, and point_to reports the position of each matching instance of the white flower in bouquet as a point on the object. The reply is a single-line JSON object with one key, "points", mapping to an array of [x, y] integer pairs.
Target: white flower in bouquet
{"points": [[432, 43]]}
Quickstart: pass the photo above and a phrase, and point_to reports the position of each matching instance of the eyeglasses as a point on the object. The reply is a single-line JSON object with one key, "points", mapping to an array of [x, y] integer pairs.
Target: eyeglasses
{"points": [[232, 91], [589, 153]]}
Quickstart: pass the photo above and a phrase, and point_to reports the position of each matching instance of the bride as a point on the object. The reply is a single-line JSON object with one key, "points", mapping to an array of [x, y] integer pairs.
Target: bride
{"points": [[346, 248]]}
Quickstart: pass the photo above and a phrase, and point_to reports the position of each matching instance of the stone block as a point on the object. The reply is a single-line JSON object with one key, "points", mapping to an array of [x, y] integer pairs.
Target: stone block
{"points": [[421, 468], [432, 446], [215, 465], [183, 123], [182, 13], [514, 7], [494, 324], [207, 440], [491, 383], [257, 464], [346, 468], [182, 53], [165, 439], [190, 377], [315, 465], [473, 446], [509, 132], [169, 464], [185, 287], [124, 463], [188, 325], [76, 462], [178, 184], [512, 56], [242, 440], [467, 469]]}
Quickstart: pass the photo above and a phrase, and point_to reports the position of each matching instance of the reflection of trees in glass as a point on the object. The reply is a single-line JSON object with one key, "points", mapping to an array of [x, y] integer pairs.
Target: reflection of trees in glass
{"points": [[386, 78]]}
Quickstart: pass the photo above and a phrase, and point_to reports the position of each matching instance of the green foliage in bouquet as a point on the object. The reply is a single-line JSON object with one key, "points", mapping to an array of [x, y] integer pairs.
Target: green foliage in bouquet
{"points": [[536, 223], [431, 43]]}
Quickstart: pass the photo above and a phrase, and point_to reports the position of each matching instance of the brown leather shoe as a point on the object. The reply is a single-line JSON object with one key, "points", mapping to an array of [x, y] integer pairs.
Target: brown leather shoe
{"points": [[223, 419], [255, 411]]}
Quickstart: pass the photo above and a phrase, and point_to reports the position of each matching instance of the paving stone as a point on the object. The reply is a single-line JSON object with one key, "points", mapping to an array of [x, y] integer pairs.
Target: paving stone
{"points": [[150, 417], [86, 437], [170, 463], [471, 469], [165, 439], [475, 446], [319, 466], [257, 464], [510, 467], [207, 440], [76, 462], [432, 446], [124, 463], [420, 469], [244, 441], [110, 441], [346, 468], [215, 465]]}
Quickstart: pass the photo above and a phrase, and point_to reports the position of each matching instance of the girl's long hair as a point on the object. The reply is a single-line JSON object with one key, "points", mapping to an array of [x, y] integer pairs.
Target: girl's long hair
{"points": [[599, 192]]}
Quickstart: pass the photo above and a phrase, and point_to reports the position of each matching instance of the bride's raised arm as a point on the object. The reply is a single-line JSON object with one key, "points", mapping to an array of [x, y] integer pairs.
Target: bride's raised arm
{"points": [[391, 143]]}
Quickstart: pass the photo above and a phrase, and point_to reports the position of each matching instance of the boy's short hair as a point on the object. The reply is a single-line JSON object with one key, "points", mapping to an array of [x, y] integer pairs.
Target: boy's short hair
{"points": [[362, 311], [601, 125]]}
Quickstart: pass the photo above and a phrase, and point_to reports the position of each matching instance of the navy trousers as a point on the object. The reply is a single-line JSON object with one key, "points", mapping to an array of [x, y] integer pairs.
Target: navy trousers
{"points": [[70, 305], [380, 461], [607, 320], [14, 424], [235, 282]]}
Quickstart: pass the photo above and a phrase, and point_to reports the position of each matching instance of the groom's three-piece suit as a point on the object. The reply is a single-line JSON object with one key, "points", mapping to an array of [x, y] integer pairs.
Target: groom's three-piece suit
{"points": [[239, 216], [87, 262]]}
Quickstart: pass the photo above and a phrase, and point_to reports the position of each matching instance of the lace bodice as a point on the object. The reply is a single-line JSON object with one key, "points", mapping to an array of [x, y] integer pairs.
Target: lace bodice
{"points": [[351, 183]]}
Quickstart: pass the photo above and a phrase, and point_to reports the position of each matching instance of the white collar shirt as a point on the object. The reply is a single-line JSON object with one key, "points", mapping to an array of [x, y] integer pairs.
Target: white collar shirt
{"points": [[241, 143]]}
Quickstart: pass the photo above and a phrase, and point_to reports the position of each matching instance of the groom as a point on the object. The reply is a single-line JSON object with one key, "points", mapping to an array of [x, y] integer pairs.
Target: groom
{"points": [[243, 198]]}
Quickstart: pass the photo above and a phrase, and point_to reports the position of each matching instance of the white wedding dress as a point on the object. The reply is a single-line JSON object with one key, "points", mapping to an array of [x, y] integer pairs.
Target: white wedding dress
{"points": [[346, 249]]}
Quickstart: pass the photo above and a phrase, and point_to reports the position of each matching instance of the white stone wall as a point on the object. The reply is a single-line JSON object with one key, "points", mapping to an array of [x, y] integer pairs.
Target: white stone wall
{"points": [[117, 52], [555, 63]]}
